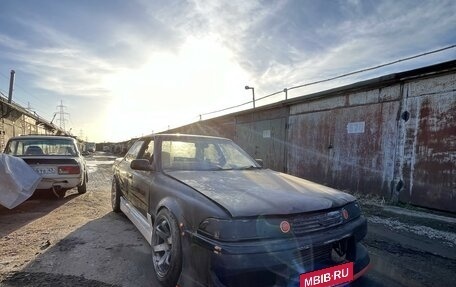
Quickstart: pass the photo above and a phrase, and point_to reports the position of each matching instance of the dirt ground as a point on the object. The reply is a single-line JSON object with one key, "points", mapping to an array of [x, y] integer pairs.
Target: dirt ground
{"points": [[76, 241]]}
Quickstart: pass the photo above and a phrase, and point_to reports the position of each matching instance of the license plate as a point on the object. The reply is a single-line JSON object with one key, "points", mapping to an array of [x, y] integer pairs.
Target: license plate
{"points": [[328, 277], [45, 170]]}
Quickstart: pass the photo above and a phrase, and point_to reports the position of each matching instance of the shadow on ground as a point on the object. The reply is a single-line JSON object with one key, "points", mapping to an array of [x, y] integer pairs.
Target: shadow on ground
{"points": [[108, 251], [40, 204]]}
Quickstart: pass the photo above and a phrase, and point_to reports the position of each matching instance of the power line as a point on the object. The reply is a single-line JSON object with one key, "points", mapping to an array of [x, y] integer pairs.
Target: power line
{"points": [[19, 99], [375, 67], [341, 76], [229, 108], [4, 76]]}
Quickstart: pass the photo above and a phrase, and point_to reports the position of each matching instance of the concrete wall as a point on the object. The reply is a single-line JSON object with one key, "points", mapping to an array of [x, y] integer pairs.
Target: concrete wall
{"points": [[394, 136]]}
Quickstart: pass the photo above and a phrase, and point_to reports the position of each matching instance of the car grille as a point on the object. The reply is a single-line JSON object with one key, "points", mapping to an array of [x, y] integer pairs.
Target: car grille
{"points": [[303, 224], [312, 255]]}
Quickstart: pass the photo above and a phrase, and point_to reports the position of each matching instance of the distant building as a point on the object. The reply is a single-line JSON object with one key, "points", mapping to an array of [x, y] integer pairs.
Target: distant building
{"points": [[16, 120]]}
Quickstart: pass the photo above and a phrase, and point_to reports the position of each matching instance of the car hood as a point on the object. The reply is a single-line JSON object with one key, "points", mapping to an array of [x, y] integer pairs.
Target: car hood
{"points": [[262, 192]]}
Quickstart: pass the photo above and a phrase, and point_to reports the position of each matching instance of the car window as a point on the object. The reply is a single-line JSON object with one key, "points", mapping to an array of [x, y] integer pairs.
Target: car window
{"points": [[203, 154], [212, 154], [236, 157], [149, 151], [133, 152], [180, 150], [41, 147]]}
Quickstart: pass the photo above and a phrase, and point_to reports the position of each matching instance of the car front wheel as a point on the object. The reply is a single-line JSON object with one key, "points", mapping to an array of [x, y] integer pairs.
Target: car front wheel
{"points": [[166, 249], [115, 196]]}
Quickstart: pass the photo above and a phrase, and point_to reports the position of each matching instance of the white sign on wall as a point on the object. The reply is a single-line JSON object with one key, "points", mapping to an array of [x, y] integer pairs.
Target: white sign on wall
{"points": [[355, 127], [266, 133]]}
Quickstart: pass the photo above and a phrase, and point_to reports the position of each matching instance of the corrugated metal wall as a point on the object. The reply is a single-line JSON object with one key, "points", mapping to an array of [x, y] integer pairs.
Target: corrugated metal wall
{"points": [[393, 136]]}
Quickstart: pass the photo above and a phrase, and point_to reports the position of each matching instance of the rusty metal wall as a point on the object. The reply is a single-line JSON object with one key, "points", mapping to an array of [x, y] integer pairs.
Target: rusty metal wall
{"points": [[427, 167], [262, 133], [394, 136], [264, 140], [348, 143], [398, 142]]}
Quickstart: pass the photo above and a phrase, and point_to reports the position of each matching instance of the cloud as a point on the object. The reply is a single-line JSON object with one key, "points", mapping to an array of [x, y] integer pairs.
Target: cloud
{"points": [[356, 36], [11, 43], [200, 54], [73, 57]]}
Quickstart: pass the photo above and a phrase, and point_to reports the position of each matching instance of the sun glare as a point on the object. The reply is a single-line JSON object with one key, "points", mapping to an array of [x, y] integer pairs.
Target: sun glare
{"points": [[202, 76]]}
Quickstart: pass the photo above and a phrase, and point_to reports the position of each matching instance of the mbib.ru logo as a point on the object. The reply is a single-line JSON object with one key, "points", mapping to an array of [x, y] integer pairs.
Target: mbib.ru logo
{"points": [[328, 277]]}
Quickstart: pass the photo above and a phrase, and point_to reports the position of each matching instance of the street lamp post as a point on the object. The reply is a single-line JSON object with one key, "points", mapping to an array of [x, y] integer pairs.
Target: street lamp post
{"points": [[253, 94]]}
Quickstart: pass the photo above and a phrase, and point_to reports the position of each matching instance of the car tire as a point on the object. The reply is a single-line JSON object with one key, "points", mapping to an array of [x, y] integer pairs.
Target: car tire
{"points": [[83, 187], [166, 249], [60, 193], [115, 196]]}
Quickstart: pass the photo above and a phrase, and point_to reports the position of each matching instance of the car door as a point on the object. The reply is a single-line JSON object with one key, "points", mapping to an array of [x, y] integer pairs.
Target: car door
{"points": [[141, 180], [125, 172]]}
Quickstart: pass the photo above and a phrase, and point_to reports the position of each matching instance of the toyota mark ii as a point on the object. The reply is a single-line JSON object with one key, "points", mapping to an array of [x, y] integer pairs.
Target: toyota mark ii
{"points": [[214, 217]]}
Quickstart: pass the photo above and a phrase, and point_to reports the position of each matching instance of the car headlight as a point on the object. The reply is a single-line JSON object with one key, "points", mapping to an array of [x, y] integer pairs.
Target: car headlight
{"points": [[267, 227], [241, 229], [351, 211]]}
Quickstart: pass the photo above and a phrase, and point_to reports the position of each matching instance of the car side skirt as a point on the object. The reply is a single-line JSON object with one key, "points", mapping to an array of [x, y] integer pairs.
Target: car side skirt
{"points": [[143, 224]]}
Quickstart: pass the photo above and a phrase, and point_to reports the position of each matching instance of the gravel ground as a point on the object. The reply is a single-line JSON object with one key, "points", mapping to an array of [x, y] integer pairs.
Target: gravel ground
{"points": [[77, 241]]}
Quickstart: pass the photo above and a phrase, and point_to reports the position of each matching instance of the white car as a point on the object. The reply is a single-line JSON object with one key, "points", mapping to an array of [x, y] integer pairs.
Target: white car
{"points": [[56, 158]]}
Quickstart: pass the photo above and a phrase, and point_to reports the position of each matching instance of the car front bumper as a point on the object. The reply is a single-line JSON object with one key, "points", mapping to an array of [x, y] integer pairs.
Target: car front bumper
{"points": [[281, 261]]}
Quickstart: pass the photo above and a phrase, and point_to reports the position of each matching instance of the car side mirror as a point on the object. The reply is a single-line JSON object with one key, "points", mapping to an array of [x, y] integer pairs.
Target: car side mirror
{"points": [[141, 164], [259, 161]]}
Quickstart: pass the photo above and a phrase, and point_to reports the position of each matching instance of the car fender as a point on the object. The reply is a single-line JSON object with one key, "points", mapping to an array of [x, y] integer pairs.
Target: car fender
{"points": [[174, 207], [116, 179]]}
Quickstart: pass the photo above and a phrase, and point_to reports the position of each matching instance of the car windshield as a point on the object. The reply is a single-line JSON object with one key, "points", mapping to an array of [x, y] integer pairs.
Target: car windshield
{"points": [[41, 147], [204, 154]]}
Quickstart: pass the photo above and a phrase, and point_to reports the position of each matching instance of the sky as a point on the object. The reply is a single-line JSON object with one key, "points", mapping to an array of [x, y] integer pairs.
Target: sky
{"points": [[123, 69]]}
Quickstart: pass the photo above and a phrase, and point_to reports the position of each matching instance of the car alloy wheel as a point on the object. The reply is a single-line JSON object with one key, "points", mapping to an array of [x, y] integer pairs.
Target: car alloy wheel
{"points": [[166, 249], [162, 246]]}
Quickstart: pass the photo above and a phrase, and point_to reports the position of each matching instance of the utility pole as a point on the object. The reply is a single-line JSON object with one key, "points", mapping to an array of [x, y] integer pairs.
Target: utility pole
{"points": [[62, 114], [11, 87]]}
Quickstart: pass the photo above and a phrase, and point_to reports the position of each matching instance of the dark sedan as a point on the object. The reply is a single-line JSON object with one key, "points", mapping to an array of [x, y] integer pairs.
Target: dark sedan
{"points": [[214, 217]]}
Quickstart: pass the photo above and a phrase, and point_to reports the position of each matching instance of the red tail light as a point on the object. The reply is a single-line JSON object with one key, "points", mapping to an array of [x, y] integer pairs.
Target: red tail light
{"points": [[70, 169]]}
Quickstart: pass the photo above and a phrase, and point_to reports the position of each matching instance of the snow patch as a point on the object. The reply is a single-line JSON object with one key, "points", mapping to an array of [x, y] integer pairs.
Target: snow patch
{"points": [[99, 162], [448, 237]]}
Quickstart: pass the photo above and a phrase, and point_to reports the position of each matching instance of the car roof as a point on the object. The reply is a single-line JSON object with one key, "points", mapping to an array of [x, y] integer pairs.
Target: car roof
{"points": [[40, 137], [183, 136]]}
